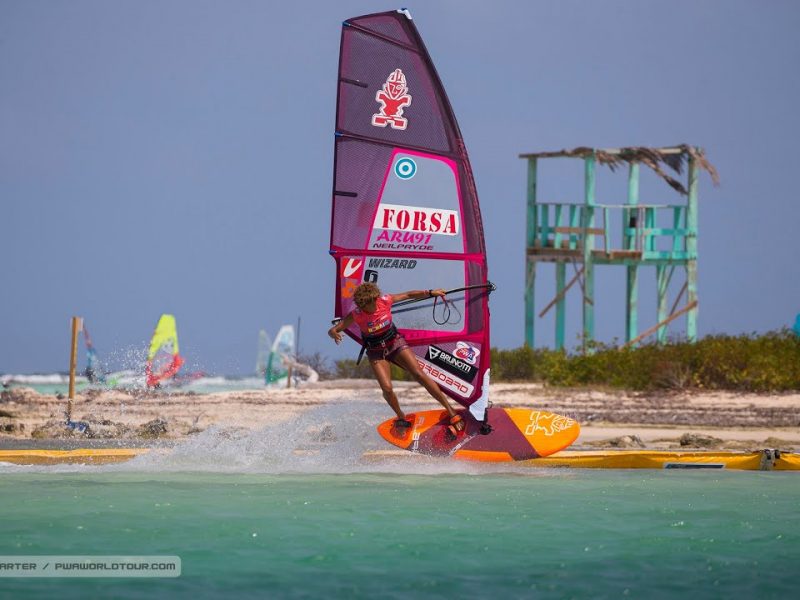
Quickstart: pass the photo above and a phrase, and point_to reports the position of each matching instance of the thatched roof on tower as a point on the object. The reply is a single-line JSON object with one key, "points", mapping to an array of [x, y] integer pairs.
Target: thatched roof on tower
{"points": [[673, 157]]}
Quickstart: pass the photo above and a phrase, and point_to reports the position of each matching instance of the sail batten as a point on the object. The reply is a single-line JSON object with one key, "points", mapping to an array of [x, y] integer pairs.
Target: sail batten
{"points": [[405, 211], [372, 140]]}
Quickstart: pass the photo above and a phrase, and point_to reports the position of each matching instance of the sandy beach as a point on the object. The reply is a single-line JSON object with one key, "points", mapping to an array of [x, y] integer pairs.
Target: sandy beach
{"points": [[608, 418]]}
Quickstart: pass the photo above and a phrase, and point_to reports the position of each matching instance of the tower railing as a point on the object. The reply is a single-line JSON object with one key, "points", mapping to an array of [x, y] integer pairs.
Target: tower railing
{"points": [[648, 233]]}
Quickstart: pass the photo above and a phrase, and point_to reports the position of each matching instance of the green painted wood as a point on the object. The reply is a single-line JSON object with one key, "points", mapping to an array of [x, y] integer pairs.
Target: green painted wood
{"points": [[530, 304], [691, 249], [662, 236], [574, 221], [561, 305], [557, 236], [679, 233], [662, 284], [629, 243], [665, 255], [531, 197], [588, 247], [650, 224], [530, 264], [632, 303]]}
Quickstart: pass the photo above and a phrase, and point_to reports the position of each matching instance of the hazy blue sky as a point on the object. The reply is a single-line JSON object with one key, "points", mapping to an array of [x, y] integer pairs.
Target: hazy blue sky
{"points": [[177, 156]]}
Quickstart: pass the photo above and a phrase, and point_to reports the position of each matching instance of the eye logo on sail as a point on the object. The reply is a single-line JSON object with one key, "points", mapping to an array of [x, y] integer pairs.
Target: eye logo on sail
{"points": [[405, 168], [393, 98]]}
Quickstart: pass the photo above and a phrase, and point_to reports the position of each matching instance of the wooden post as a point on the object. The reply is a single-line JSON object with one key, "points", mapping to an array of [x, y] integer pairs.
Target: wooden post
{"points": [[289, 377], [691, 251], [77, 326], [562, 293], [688, 308], [662, 284], [630, 220], [530, 264], [588, 247], [561, 268]]}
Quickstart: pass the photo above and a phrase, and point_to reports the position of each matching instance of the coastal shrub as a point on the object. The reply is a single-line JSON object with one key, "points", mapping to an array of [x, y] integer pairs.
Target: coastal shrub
{"points": [[753, 363], [320, 363], [347, 369]]}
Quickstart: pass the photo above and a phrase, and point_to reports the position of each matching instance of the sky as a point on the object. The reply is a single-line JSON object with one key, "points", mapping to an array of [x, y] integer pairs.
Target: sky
{"points": [[176, 156]]}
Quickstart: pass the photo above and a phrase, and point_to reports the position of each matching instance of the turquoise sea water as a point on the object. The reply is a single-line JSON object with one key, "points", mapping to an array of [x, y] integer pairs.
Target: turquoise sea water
{"points": [[470, 532], [295, 510]]}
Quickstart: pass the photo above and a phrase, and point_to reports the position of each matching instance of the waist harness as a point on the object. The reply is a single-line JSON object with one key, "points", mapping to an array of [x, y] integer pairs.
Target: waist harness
{"points": [[373, 342]]}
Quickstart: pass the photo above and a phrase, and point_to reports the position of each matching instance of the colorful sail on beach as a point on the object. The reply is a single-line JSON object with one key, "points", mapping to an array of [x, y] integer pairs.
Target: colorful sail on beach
{"points": [[163, 359], [281, 356], [94, 370], [264, 348], [405, 211]]}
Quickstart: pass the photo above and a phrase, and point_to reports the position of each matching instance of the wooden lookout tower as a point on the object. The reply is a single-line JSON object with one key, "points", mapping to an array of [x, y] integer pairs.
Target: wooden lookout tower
{"points": [[663, 236]]}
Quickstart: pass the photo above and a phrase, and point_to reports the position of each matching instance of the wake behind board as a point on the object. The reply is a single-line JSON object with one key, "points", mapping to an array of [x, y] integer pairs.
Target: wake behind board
{"points": [[517, 434]]}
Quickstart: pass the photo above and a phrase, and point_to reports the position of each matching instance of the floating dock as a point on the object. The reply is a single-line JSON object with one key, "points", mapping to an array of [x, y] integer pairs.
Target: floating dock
{"points": [[761, 460]]}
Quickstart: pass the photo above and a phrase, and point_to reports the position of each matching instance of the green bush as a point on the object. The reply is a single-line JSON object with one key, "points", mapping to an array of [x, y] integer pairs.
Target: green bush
{"points": [[347, 369], [753, 363]]}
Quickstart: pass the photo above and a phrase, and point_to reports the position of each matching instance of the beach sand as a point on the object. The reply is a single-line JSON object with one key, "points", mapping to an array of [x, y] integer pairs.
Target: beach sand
{"points": [[608, 418]]}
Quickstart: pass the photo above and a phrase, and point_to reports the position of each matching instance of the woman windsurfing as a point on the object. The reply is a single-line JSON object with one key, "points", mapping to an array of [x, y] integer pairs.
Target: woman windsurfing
{"points": [[384, 344]]}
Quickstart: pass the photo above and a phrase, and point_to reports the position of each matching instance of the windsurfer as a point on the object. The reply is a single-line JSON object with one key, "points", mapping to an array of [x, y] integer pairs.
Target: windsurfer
{"points": [[384, 344]]}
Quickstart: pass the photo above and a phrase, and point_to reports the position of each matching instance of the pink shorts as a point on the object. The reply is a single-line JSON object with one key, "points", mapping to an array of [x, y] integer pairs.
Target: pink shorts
{"points": [[388, 352]]}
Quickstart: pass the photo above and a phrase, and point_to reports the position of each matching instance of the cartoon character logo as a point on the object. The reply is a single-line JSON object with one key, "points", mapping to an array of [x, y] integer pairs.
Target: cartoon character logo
{"points": [[467, 353], [392, 98], [548, 423]]}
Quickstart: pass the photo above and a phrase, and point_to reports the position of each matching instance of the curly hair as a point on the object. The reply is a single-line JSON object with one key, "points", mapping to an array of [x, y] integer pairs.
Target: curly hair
{"points": [[366, 293]]}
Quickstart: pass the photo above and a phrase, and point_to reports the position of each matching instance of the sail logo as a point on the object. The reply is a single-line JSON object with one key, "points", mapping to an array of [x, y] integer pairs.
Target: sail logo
{"points": [[351, 271], [466, 352], [392, 263], [444, 379], [405, 168], [450, 363], [351, 267], [548, 423], [393, 98], [417, 219]]}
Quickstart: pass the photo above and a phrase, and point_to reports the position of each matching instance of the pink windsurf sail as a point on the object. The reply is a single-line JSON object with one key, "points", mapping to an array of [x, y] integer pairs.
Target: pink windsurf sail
{"points": [[405, 211]]}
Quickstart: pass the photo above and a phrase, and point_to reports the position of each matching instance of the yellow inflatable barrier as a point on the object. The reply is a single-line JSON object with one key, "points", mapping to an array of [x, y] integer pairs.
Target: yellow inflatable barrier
{"points": [[762, 460], [99, 456]]}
